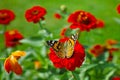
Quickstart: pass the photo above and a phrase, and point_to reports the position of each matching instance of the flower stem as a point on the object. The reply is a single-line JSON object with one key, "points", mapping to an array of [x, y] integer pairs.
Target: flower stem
{"points": [[4, 28], [40, 25], [76, 77]]}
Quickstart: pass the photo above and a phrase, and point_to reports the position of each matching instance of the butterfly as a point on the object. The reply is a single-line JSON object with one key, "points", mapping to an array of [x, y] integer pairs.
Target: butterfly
{"points": [[64, 49]]}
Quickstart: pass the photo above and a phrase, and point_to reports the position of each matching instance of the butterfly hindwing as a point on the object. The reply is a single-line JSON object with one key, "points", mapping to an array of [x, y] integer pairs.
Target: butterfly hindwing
{"points": [[70, 45]]}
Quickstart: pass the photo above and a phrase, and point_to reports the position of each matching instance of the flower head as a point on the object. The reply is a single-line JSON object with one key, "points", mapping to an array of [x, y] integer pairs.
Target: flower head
{"points": [[57, 16], [116, 78], [12, 38], [62, 33], [100, 23], [11, 63], [97, 50], [35, 13], [6, 16], [69, 63], [118, 8], [83, 20]]}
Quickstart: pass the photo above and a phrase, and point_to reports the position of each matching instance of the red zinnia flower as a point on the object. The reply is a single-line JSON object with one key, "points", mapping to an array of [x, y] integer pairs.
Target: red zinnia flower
{"points": [[100, 23], [62, 33], [118, 8], [57, 16], [116, 78], [35, 13], [12, 38], [11, 63], [69, 63], [6, 16], [83, 20], [97, 50]]}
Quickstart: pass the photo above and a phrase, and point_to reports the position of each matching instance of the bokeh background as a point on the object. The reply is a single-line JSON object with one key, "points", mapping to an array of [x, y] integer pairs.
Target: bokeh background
{"points": [[101, 9]]}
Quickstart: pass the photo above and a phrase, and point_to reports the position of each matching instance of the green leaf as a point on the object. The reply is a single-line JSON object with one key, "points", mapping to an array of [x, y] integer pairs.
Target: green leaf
{"points": [[110, 74], [33, 41], [76, 76], [117, 20]]}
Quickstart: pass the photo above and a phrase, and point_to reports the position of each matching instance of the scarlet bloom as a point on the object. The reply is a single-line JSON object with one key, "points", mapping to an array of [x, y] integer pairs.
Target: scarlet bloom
{"points": [[83, 20], [69, 63], [57, 16], [100, 23], [116, 78], [62, 33], [35, 13], [6, 16], [12, 38], [11, 63], [97, 50], [109, 46], [118, 8]]}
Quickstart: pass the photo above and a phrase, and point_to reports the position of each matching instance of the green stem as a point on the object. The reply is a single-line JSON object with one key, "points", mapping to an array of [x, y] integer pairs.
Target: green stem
{"points": [[40, 25], [76, 77], [4, 28]]}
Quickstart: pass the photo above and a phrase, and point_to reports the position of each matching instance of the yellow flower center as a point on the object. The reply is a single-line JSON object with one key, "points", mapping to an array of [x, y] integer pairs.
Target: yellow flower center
{"points": [[35, 12], [82, 18], [2, 15], [12, 32]]}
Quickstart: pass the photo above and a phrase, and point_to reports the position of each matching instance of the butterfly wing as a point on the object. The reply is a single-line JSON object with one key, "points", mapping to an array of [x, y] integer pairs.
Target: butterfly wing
{"points": [[58, 48], [69, 45]]}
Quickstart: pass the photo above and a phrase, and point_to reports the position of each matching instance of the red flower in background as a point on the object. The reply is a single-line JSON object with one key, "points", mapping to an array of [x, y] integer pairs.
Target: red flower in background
{"points": [[100, 23], [97, 50], [6, 16], [83, 20], [118, 8], [69, 63], [57, 16], [116, 78], [35, 13], [11, 63], [62, 33], [12, 38]]}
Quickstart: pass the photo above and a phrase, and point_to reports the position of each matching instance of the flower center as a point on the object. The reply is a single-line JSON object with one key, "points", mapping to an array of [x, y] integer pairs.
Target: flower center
{"points": [[12, 32], [83, 18], [3, 16], [35, 12]]}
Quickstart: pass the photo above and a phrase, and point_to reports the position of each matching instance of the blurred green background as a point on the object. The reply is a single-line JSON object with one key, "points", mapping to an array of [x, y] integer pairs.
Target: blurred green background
{"points": [[102, 9]]}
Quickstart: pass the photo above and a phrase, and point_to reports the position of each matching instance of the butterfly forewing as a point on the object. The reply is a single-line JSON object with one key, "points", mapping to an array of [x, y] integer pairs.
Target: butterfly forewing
{"points": [[58, 47]]}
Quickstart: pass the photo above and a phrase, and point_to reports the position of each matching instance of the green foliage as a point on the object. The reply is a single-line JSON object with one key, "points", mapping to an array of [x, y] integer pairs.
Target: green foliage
{"points": [[35, 39]]}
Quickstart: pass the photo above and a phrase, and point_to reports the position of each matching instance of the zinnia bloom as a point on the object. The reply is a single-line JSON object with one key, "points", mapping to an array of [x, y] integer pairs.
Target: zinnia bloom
{"points": [[97, 50], [57, 16], [11, 63], [62, 33], [12, 38], [100, 23], [35, 13], [109, 46], [69, 63], [118, 8], [6, 16], [83, 20], [116, 78]]}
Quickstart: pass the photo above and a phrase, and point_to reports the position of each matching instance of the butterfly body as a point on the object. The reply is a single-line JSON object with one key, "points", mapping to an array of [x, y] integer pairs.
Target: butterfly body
{"points": [[64, 49]]}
